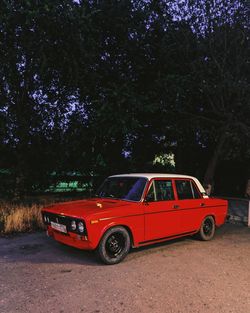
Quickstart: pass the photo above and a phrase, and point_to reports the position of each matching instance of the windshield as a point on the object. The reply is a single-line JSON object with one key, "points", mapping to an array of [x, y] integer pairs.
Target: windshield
{"points": [[124, 188]]}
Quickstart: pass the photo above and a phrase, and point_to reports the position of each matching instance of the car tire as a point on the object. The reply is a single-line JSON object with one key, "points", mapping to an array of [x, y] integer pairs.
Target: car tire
{"points": [[114, 245], [207, 229]]}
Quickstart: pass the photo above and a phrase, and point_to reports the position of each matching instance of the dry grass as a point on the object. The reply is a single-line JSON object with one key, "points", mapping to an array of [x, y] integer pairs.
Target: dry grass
{"points": [[25, 217], [20, 218]]}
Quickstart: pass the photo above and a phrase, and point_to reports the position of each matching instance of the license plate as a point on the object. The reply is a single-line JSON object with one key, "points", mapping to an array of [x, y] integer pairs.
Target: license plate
{"points": [[59, 227]]}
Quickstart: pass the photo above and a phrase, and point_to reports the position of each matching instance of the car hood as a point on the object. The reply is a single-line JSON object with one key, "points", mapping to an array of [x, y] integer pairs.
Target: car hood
{"points": [[83, 208]]}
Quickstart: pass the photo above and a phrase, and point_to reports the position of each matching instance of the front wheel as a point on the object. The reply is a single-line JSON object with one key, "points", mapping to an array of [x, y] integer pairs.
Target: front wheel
{"points": [[207, 229], [114, 245]]}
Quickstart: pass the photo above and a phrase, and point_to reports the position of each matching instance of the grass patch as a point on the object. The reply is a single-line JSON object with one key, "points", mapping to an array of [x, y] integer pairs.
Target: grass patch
{"points": [[20, 218], [26, 216]]}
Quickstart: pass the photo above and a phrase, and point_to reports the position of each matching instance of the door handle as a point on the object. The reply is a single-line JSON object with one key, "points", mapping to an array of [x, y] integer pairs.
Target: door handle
{"points": [[202, 204], [176, 206]]}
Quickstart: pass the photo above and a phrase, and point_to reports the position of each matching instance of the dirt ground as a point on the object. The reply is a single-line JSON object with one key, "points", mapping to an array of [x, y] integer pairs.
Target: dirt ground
{"points": [[38, 274]]}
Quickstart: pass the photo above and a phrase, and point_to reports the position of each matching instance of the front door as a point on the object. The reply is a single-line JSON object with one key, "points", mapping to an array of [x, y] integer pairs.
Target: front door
{"points": [[162, 219]]}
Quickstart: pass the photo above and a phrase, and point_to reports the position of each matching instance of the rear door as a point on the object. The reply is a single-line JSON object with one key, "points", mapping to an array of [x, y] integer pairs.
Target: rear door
{"points": [[191, 205], [161, 217]]}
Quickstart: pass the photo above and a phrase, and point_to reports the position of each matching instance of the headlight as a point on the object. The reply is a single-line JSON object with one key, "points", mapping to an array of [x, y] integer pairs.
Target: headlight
{"points": [[81, 227], [73, 225]]}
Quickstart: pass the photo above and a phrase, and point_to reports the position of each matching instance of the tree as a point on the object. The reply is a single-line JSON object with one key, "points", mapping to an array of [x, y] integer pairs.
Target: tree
{"points": [[35, 60]]}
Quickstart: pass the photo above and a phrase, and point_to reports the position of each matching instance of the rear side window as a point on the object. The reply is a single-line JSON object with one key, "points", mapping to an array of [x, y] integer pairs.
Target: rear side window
{"points": [[196, 193], [186, 189], [160, 190]]}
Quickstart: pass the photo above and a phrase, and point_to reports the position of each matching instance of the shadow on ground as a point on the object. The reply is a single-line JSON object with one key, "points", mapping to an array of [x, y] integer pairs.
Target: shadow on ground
{"points": [[38, 248]]}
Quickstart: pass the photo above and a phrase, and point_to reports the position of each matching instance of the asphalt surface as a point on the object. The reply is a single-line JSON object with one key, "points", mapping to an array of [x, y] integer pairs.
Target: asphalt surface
{"points": [[38, 274]]}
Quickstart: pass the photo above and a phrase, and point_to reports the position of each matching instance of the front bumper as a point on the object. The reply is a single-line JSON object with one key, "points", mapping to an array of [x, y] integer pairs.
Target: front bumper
{"points": [[70, 239]]}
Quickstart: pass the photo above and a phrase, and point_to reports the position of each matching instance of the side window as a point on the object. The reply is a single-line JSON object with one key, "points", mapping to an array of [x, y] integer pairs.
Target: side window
{"points": [[186, 190], [160, 190]]}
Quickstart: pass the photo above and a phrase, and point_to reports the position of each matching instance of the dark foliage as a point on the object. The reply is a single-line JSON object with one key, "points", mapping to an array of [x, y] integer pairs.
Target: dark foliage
{"points": [[103, 87]]}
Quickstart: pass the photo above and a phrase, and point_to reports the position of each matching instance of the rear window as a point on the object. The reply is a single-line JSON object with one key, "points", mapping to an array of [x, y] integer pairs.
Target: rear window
{"points": [[186, 189]]}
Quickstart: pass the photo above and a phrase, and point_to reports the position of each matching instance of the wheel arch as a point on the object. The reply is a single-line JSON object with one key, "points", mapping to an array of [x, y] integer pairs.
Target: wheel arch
{"points": [[203, 218], [214, 217], [210, 214], [108, 227]]}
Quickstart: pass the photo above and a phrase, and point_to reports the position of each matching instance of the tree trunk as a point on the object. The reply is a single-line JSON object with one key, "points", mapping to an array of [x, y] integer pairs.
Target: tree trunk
{"points": [[210, 172]]}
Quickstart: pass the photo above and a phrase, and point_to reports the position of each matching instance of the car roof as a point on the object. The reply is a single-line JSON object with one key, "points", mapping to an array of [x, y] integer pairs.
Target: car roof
{"points": [[149, 176], [154, 175]]}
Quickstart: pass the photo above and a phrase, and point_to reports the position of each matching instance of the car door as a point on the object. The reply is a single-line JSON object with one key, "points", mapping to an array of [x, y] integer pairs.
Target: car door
{"points": [[161, 217], [191, 205]]}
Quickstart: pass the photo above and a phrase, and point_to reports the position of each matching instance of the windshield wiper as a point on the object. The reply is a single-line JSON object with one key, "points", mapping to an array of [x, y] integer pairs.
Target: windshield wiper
{"points": [[105, 196]]}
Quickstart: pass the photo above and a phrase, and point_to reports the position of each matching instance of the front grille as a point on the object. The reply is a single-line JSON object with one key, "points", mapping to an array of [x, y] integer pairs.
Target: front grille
{"points": [[64, 220]]}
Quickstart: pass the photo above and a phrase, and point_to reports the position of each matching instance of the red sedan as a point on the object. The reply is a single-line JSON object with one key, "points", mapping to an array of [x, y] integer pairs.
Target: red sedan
{"points": [[133, 210]]}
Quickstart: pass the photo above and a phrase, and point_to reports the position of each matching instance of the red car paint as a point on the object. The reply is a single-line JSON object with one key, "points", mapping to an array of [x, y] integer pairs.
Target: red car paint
{"points": [[147, 222]]}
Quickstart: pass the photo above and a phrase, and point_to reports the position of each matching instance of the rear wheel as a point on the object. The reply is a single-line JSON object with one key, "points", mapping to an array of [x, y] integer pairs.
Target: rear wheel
{"points": [[114, 245], [207, 229]]}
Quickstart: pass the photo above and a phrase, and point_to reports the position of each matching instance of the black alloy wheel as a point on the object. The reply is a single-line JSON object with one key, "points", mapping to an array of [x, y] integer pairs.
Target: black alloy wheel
{"points": [[207, 229], [114, 245]]}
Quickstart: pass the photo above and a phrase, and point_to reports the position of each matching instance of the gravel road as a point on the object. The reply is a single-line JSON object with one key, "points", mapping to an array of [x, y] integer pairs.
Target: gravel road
{"points": [[39, 275]]}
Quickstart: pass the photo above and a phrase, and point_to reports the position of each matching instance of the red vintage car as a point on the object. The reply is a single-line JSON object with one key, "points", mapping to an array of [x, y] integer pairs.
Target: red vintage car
{"points": [[133, 210]]}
